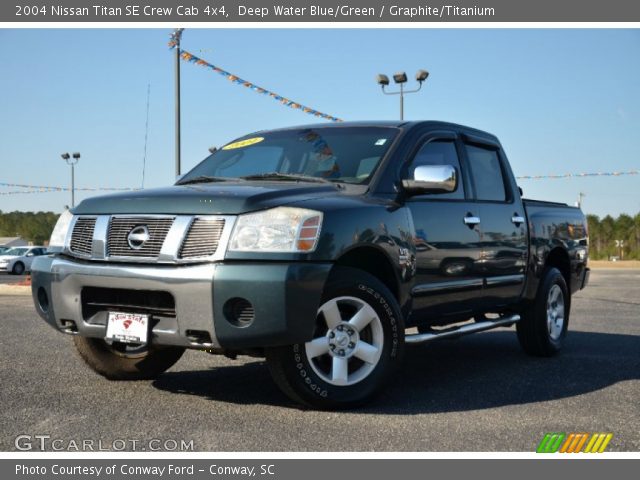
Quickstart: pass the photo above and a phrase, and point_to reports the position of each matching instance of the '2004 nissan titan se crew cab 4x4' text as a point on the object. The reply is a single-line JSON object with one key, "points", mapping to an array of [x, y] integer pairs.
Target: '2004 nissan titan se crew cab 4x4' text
{"points": [[325, 249]]}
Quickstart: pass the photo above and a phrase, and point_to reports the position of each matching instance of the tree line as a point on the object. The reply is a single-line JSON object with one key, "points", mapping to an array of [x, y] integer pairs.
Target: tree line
{"points": [[35, 227], [603, 232]]}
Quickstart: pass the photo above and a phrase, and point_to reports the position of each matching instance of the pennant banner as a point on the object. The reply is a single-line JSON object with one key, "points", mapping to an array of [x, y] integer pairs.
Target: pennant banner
{"points": [[191, 58], [47, 189], [579, 175]]}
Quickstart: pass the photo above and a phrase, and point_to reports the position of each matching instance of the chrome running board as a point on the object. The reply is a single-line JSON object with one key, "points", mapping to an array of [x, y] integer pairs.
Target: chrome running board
{"points": [[463, 330]]}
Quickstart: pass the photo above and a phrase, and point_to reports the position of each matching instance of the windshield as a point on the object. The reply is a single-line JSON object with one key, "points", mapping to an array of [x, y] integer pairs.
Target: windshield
{"points": [[18, 252], [343, 154]]}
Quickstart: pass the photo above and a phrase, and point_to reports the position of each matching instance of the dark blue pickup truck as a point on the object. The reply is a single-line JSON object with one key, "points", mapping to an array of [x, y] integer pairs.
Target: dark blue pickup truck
{"points": [[325, 249]]}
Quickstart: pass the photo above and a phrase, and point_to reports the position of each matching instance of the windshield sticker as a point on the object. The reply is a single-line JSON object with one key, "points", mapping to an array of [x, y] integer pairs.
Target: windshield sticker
{"points": [[381, 141], [243, 143]]}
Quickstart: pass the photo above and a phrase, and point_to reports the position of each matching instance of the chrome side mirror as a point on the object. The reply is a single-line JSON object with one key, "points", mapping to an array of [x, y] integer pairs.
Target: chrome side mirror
{"points": [[432, 179]]}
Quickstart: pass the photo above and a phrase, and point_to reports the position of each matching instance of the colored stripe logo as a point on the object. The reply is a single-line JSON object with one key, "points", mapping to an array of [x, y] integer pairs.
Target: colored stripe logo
{"points": [[574, 443]]}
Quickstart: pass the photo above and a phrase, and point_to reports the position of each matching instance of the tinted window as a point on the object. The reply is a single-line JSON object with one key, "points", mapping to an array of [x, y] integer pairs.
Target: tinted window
{"points": [[486, 173], [440, 152]]}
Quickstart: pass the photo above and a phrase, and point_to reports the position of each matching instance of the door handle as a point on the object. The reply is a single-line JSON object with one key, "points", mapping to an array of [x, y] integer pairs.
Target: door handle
{"points": [[471, 221], [517, 219]]}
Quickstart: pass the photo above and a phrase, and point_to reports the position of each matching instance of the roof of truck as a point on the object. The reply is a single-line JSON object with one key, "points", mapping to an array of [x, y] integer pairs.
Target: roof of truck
{"points": [[388, 123]]}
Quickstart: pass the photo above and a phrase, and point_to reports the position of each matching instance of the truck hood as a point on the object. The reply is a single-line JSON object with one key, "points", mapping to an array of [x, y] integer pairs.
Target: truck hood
{"points": [[227, 198]]}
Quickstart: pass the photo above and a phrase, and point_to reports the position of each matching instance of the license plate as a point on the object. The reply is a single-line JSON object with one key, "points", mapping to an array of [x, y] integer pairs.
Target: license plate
{"points": [[127, 327]]}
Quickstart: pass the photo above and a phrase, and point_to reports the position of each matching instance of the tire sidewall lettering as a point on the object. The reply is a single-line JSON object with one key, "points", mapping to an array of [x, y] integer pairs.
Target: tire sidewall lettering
{"points": [[377, 299]]}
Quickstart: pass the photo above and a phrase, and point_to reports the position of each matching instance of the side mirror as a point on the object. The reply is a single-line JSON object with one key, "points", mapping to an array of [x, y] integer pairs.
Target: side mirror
{"points": [[432, 179]]}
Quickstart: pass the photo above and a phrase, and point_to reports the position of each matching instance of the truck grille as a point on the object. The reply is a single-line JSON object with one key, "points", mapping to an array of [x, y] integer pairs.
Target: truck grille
{"points": [[203, 238], [120, 227], [82, 236]]}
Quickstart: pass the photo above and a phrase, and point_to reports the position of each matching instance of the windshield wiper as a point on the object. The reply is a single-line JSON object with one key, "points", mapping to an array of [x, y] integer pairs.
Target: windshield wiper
{"points": [[202, 179], [292, 177]]}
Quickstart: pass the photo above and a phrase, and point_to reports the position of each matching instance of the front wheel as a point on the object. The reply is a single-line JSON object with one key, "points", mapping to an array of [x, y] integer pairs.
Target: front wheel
{"points": [[543, 327], [18, 268], [357, 344], [119, 361]]}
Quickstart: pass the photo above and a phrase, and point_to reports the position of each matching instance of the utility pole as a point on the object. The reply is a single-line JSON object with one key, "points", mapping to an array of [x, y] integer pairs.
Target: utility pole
{"points": [[580, 197], [177, 37]]}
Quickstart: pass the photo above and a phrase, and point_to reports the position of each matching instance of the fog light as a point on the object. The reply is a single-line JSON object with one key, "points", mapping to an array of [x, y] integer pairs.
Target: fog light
{"points": [[239, 312]]}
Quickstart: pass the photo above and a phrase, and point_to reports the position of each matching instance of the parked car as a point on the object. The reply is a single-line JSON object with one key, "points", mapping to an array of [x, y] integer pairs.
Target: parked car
{"points": [[317, 247], [18, 260]]}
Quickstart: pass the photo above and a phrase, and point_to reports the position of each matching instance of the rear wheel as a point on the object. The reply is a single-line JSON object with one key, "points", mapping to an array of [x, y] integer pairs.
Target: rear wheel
{"points": [[543, 327], [18, 268], [119, 361], [357, 345]]}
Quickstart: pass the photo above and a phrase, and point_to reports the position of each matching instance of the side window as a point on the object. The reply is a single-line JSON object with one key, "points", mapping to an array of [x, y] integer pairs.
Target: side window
{"points": [[439, 152], [486, 173]]}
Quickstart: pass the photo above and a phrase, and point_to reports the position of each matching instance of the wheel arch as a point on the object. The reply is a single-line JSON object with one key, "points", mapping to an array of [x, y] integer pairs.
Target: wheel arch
{"points": [[375, 262], [559, 258]]}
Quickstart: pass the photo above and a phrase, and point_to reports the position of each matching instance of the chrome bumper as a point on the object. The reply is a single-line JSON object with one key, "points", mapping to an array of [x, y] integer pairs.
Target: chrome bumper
{"points": [[191, 286]]}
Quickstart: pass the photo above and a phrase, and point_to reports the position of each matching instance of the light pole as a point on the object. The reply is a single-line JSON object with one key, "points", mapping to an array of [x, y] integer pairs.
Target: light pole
{"points": [[401, 78], [72, 160]]}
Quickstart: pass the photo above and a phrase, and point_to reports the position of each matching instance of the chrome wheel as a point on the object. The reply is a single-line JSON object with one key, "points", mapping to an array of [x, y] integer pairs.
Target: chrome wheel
{"points": [[349, 341], [555, 312]]}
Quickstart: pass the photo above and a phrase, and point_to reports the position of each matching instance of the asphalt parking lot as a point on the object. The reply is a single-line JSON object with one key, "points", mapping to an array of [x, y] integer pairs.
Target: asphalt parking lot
{"points": [[7, 278], [478, 393]]}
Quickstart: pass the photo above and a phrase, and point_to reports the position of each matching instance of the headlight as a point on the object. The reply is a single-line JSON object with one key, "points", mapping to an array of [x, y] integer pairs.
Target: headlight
{"points": [[59, 234], [282, 229]]}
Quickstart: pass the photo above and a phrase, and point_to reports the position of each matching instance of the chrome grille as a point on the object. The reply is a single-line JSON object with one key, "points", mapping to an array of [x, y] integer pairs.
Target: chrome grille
{"points": [[120, 227], [82, 236], [203, 238]]}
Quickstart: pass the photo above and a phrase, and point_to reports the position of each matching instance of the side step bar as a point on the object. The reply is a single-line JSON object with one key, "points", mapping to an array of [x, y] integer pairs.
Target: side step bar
{"points": [[463, 330]]}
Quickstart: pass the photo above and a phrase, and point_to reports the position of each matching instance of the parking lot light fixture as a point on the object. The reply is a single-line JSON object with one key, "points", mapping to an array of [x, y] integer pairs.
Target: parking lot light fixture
{"points": [[401, 78], [72, 160]]}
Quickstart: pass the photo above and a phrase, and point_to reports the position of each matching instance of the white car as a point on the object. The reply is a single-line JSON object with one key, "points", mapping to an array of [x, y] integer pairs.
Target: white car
{"points": [[18, 259]]}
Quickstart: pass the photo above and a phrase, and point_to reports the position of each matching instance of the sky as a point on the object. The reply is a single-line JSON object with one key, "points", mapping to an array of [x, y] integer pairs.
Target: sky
{"points": [[560, 100]]}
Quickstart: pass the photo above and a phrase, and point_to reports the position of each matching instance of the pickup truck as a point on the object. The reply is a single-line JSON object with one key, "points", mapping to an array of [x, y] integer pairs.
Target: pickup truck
{"points": [[325, 249]]}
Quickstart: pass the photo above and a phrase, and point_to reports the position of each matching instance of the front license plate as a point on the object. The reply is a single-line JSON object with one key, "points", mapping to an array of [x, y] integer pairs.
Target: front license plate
{"points": [[127, 327]]}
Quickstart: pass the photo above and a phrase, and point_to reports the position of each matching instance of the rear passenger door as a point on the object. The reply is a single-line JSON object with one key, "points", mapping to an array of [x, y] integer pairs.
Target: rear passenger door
{"points": [[503, 229], [447, 239]]}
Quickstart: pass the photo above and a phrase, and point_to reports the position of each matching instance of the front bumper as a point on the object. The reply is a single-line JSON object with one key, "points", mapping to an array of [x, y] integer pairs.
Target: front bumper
{"points": [[284, 296]]}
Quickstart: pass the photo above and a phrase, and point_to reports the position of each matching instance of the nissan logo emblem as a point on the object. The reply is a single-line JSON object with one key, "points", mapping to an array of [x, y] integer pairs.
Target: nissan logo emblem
{"points": [[138, 236]]}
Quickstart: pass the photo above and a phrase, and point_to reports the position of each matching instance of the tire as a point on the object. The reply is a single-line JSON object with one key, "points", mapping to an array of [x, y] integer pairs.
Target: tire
{"points": [[115, 362], [544, 324], [18, 268], [358, 319]]}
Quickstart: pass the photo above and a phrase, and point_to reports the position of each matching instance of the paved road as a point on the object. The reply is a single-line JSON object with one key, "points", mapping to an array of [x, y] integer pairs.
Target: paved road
{"points": [[473, 394]]}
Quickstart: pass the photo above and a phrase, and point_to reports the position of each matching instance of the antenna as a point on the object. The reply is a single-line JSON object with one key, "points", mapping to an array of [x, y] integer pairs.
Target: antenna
{"points": [[146, 135]]}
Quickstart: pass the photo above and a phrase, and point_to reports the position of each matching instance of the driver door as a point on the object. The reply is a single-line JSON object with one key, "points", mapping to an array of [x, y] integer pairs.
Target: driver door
{"points": [[447, 238]]}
